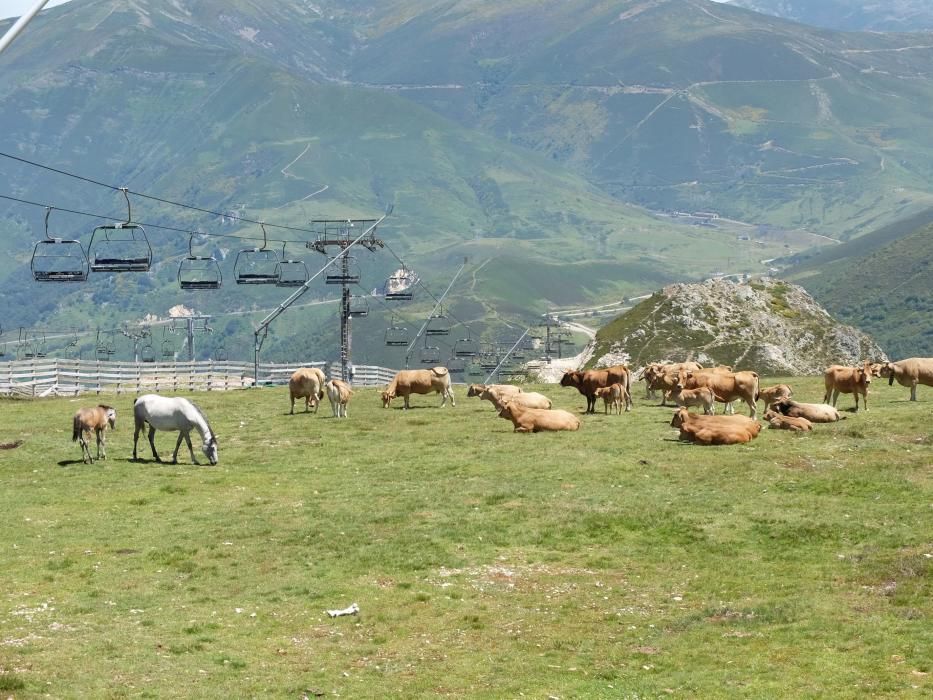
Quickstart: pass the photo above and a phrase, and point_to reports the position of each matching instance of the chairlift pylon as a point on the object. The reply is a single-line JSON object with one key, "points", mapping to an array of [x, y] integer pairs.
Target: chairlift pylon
{"points": [[121, 247], [58, 259], [290, 273], [256, 265], [199, 272]]}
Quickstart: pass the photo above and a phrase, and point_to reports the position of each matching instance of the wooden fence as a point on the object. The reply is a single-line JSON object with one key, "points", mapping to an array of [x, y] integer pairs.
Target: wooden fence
{"points": [[55, 377]]}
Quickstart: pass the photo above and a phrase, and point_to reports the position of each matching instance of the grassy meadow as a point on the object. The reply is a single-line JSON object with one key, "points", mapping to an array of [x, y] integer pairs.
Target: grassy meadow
{"points": [[614, 562]]}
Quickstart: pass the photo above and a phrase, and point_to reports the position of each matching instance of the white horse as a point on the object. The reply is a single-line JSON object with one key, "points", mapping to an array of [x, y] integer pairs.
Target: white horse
{"points": [[173, 413]]}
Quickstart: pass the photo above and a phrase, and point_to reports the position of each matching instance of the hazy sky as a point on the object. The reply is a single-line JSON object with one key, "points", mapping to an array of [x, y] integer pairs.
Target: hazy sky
{"points": [[15, 8]]}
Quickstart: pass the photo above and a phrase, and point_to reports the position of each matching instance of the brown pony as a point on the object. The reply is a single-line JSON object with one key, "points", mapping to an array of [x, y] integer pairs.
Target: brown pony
{"points": [[96, 419]]}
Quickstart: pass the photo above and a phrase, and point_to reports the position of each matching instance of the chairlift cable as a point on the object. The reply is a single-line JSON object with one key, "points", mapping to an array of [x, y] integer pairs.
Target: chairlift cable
{"points": [[147, 196]]}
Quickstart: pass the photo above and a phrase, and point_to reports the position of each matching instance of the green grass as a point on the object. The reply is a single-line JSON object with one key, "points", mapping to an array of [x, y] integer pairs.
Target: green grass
{"points": [[613, 562]]}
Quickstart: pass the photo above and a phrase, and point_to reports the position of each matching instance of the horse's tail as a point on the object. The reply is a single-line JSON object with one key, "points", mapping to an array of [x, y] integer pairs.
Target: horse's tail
{"points": [[76, 428]]}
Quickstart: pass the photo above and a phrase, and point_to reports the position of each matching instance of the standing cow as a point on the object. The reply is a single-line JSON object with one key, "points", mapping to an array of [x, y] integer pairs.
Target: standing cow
{"points": [[419, 381], [909, 372], [847, 380], [306, 383], [589, 381]]}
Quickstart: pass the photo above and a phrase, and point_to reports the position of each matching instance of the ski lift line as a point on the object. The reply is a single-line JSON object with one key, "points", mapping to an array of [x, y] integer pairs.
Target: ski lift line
{"points": [[433, 311], [187, 232], [264, 324], [506, 356], [149, 196]]}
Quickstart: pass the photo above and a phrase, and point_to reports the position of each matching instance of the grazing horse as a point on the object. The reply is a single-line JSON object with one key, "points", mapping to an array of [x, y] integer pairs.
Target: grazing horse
{"points": [[173, 413], [96, 419]]}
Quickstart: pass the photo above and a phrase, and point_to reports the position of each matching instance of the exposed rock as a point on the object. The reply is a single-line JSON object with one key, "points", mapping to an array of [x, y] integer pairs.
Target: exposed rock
{"points": [[765, 325]]}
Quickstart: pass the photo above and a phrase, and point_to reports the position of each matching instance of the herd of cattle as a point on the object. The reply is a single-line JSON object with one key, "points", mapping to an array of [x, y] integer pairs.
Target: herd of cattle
{"points": [[687, 385]]}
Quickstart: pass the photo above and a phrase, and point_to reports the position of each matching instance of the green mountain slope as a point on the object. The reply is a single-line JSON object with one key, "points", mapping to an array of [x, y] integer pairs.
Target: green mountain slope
{"points": [[512, 133], [849, 15], [887, 291]]}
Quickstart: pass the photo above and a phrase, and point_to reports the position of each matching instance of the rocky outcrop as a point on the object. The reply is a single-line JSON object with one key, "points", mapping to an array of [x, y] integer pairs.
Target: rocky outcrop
{"points": [[765, 325]]}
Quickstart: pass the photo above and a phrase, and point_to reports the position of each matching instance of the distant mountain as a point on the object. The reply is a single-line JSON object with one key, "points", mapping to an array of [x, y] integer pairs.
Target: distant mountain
{"points": [[516, 134], [765, 325], [850, 15], [882, 283]]}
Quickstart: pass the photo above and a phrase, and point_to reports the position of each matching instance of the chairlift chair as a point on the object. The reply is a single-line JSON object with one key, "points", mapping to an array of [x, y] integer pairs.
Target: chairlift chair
{"points": [[438, 324], [397, 336], [147, 353], [121, 247], [220, 353], [466, 347], [290, 273], [168, 349], [346, 271], [395, 291], [457, 365], [256, 265], [359, 306], [199, 272], [430, 355], [58, 259]]}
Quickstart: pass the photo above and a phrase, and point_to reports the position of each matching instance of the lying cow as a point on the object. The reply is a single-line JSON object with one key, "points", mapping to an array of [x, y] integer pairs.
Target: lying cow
{"points": [[338, 393], [770, 394], [847, 380], [813, 412], [534, 420], [715, 430], [419, 381], [781, 422], [528, 399], [306, 383], [909, 372], [613, 398], [494, 393]]}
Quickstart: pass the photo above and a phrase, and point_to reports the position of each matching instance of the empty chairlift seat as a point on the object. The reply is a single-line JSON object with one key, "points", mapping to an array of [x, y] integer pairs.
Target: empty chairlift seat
{"points": [[120, 248], [58, 259], [199, 272]]}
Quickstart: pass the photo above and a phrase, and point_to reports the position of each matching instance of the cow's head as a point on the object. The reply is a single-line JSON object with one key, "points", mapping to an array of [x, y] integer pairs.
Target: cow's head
{"points": [[505, 409], [680, 417], [387, 397], [571, 378], [475, 389], [111, 413], [863, 374]]}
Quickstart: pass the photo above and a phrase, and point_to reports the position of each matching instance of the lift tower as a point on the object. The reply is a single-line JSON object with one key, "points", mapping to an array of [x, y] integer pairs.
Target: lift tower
{"points": [[340, 234]]}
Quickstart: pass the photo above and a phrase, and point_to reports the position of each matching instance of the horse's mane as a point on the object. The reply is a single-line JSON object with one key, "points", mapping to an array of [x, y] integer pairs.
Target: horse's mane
{"points": [[203, 417]]}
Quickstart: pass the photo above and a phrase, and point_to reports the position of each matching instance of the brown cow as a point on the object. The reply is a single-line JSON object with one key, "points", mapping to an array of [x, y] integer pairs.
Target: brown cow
{"points": [[338, 393], [715, 430], [782, 422], [663, 376], [419, 381], [703, 396], [534, 420], [909, 372], [613, 397], [493, 392], [813, 412], [307, 383], [726, 386], [770, 394], [847, 380], [589, 381]]}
